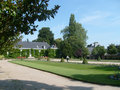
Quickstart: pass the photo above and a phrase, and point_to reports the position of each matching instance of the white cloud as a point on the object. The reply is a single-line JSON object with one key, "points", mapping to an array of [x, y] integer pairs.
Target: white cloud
{"points": [[94, 17], [90, 18]]}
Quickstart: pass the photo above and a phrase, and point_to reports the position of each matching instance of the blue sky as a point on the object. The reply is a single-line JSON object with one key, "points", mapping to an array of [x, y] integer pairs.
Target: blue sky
{"points": [[101, 19]]}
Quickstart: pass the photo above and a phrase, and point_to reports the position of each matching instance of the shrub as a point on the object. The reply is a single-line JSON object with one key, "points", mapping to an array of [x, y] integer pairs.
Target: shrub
{"points": [[81, 58], [1, 57], [42, 53], [36, 53], [48, 59], [99, 58], [85, 61], [52, 53], [39, 58], [62, 60]]}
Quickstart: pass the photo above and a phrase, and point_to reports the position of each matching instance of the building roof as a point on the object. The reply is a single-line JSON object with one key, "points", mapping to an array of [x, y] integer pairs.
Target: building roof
{"points": [[32, 45]]}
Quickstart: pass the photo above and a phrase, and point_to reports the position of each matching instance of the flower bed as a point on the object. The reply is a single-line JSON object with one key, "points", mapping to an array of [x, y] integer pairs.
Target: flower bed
{"points": [[21, 57]]}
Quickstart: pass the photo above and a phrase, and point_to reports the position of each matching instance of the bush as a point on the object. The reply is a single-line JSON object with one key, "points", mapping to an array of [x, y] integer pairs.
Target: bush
{"points": [[43, 53], [39, 58], [48, 59], [85, 61], [1, 57], [99, 58], [51, 53], [81, 58], [62, 60]]}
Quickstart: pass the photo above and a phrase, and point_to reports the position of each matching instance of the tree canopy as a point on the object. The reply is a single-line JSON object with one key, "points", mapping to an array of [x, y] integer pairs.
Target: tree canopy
{"points": [[19, 16], [99, 51], [75, 35], [111, 49], [45, 35], [58, 41]]}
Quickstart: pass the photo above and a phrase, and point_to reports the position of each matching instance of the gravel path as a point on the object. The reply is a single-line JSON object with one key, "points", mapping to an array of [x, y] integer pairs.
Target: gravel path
{"points": [[90, 62], [16, 77]]}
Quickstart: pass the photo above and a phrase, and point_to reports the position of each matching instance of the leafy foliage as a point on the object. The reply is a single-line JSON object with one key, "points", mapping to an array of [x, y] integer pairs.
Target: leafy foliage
{"points": [[18, 17], [45, 35], [1, 57], [62, 60], [75, 37], [111, 49], [48, 59], [118, 48], [51, 53], [65, 49], [58, 41], [99, 51]]}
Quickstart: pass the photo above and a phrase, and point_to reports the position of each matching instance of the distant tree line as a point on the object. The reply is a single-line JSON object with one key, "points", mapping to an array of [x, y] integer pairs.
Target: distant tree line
{"points": [[112, 52]]}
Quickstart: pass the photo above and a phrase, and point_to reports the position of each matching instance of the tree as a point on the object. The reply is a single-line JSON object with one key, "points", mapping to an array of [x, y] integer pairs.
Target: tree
{"points": [[99, 51], [118, 48], [8, 46], [75, 34], [45, 35], [18, 16], [65, 49], [82, 53], [111, 49], [58, 41]]}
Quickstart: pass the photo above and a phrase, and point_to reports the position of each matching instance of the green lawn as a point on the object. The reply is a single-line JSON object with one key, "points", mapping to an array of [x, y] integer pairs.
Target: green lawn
{"points": [[90, 73]]}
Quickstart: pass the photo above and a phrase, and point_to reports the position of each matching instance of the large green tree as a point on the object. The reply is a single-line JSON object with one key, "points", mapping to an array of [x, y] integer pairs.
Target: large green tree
{"points": [[19, 16], [76, 36], [45, 35], [65, 49], [118, 48], [111, 49], [58, 41], [99, 51]]}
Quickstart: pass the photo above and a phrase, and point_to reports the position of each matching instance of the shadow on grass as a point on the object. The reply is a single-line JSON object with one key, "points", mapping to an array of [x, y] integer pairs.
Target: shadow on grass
{"points": [[103, 79], [106, 68], [32, 85]]}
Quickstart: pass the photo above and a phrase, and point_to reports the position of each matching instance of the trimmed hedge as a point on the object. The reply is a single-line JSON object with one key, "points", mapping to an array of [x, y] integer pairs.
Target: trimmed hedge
{"points": [[34, 52]]}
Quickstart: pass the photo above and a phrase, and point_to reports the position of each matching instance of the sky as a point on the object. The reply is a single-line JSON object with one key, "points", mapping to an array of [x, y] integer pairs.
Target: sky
{"points": [[101, 19]]}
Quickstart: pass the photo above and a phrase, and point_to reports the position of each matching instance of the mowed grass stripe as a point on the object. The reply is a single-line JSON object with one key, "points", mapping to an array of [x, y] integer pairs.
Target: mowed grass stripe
{"points": [[90, 73]]}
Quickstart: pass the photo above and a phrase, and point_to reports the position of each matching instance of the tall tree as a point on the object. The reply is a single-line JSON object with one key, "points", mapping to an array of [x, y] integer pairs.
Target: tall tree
{"points": [[58, 41], [45, 35], [118, 48], [111, 49], [75, 34], [65, 49], [18, 16]]}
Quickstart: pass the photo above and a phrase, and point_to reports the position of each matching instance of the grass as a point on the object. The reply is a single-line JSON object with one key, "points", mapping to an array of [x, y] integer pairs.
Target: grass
{"points": [[98, 74]]}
